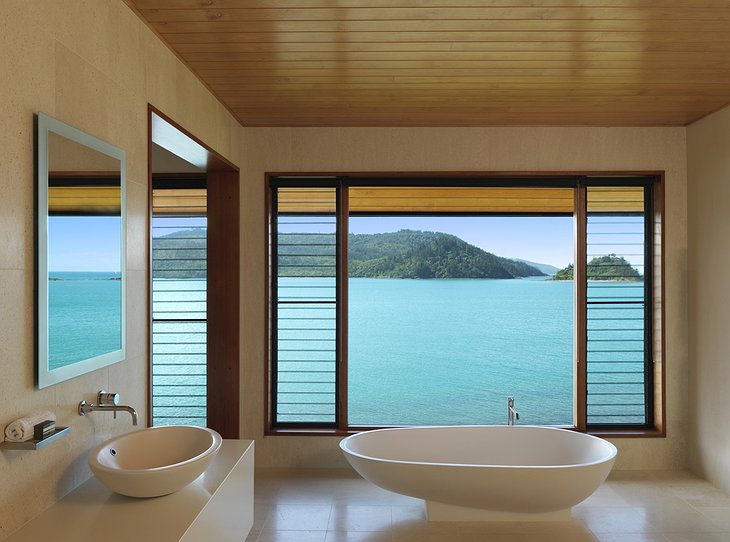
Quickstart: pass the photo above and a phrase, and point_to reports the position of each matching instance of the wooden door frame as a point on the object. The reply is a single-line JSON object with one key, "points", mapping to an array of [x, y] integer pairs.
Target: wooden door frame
{"points": [[223, 252]]}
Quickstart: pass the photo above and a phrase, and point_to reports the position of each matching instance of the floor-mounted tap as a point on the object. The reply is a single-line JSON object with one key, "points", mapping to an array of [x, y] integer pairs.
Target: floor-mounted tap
{"points": [[512, 414], [107, 402]]}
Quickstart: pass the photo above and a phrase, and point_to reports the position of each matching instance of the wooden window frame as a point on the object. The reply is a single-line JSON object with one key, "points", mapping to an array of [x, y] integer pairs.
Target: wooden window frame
{"points": [[654, 245]]}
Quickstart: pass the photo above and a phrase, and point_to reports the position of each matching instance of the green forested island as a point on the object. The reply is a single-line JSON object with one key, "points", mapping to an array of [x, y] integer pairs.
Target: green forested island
{"points": [[403, 254], [409, 254], [609, 267], [180, 255]]}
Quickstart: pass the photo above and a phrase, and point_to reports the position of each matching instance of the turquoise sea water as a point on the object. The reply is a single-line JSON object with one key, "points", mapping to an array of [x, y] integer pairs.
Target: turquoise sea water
{"points": [[451, 351], [83, 316], [179, 345]]}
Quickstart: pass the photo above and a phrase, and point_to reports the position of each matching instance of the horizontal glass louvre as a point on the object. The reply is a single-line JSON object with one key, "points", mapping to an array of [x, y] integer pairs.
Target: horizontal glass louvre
{"points": [[617, 331], [179, 310], [305, 286]]}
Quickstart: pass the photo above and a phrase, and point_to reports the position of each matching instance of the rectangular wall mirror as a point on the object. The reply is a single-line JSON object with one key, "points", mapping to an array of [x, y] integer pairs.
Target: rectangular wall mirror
{"points": [[80, 252]]}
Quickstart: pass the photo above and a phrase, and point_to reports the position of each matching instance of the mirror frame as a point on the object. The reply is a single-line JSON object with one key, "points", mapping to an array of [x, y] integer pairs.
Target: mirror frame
{"points": [[44, 376]]}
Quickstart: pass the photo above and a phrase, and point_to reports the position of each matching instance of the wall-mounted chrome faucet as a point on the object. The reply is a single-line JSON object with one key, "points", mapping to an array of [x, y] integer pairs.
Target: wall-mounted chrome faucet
{"points": [[107, 402], [512, 414]]}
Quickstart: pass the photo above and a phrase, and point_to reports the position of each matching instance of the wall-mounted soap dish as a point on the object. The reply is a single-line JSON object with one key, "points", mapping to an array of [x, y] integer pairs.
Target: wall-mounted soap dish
{"points": [[33, 444]]}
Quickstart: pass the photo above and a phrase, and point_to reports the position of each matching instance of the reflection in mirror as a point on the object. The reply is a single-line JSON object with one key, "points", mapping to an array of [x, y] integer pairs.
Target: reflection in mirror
{"points": [[80, 252]]}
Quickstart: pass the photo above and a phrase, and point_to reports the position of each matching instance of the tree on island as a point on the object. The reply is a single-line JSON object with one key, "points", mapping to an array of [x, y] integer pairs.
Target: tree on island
{"points": [[609, 267], [564, 274]]}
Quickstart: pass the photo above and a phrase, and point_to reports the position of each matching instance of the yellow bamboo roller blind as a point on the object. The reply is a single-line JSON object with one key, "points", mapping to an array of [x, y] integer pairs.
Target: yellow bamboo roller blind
{"points": [[84, 200], [307, 200], [460, 200], [179, 201], [621, 199]]}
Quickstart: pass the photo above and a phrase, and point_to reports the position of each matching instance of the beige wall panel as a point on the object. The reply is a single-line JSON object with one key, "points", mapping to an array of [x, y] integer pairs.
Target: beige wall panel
{"points": [[92, 64], [461, 149], [27, 65], [160, 68], [708, 166], [16, 205]]}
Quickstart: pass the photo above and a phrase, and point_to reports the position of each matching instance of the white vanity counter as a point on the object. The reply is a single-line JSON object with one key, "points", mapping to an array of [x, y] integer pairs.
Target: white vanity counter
{"points": [[216, 507]]}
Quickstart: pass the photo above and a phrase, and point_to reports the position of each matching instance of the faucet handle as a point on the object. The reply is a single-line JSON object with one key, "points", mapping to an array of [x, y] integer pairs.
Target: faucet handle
{"points": [[107, 399]]}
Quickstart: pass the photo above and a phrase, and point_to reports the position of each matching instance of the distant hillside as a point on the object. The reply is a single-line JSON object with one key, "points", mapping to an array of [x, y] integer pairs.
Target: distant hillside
{"points": [[544, 267], [426, 255], [610, 267], [180, 255], [402, 254], [307, 254], [364, 246]]}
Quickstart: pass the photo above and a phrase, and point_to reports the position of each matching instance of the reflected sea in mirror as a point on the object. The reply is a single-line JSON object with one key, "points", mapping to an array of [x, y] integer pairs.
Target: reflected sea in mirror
{"points": [[84, 315]]}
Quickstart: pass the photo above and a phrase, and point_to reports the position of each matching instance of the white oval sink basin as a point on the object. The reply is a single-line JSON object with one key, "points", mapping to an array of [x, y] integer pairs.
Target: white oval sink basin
{"points": [[155, 461]]}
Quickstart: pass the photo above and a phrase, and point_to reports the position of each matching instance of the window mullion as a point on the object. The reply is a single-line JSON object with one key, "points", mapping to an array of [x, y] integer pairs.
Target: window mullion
{"points": [[273, 301], [649, 304], [341, 369], [581, 308]]}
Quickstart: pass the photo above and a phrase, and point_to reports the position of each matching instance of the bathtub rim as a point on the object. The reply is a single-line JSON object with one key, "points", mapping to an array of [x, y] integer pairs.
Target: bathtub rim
{"points": [[611, 456]]}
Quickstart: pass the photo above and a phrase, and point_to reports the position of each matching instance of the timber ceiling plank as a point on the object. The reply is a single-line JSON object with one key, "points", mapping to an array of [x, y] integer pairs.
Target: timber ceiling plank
{"points": [[454, 62]]}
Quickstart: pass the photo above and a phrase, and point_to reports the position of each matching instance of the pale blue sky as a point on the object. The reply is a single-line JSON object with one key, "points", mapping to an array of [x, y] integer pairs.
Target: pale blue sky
{"points": [[93, 243], [537, 239], [84, 243]]}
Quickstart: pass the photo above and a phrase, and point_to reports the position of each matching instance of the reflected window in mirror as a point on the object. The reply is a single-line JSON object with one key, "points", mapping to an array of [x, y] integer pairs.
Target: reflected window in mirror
{"points": [[84, 279]]}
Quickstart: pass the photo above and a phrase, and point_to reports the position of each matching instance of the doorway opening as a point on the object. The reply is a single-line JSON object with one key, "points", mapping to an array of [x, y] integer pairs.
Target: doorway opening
{"points": [[193, 281]]}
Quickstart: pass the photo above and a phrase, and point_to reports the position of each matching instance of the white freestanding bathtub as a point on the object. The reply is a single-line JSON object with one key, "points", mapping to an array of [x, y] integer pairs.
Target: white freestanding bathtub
{"points": [[480, 473]]}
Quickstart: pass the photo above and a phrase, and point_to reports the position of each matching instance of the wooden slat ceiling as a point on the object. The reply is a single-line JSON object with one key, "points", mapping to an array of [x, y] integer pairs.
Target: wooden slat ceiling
{"points": [[454, 62]]}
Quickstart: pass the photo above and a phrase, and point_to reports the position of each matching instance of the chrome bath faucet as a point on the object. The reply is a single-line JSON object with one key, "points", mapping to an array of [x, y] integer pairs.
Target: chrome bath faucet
{"points": [[512, 414]]}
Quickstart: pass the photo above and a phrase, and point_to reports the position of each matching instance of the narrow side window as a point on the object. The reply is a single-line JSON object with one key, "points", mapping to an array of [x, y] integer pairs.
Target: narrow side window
{"points": [[304, 306]]}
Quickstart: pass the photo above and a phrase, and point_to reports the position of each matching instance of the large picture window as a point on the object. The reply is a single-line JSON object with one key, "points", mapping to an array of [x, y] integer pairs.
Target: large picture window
{"points": [[427, 301]]}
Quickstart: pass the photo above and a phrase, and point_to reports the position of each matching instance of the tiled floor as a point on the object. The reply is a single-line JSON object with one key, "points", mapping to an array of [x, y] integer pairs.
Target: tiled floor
{"points": [[338, 506]]}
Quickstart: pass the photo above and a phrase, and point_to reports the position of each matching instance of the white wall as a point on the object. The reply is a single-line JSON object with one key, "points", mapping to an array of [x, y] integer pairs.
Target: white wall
{"points": [[708, 167], [92, 64], [461, 149]]}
